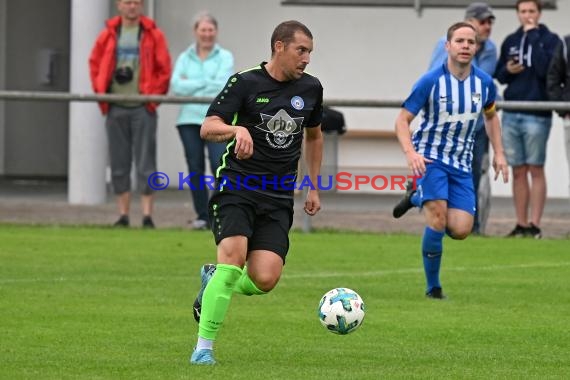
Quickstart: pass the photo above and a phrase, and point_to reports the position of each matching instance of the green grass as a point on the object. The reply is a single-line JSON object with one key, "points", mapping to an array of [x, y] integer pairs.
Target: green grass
{"points": [[101, 303]]}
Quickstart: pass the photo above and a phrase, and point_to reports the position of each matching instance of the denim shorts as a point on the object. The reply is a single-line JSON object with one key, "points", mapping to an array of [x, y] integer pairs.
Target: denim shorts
{"points": [[525, 137]]}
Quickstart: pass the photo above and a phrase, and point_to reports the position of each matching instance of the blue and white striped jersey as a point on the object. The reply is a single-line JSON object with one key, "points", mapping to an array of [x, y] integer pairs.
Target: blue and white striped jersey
{"points": [[450, 108]]}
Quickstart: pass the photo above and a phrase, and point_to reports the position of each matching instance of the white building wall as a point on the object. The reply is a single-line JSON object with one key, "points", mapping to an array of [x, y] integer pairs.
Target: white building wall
{"points": [[360, 52]]}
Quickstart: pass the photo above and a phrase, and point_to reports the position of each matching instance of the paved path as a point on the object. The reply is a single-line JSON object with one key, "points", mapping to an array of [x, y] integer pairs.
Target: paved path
{"points": [[42, 202]]}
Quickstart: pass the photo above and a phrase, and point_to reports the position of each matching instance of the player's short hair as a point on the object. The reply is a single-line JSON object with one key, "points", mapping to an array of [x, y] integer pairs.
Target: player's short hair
{"points": [[459, 25], [537, 2], [285, 32], [204, 16]]}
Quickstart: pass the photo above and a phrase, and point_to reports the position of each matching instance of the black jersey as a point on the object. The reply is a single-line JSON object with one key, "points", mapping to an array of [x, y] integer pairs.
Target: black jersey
{"points": [[275, 114]]}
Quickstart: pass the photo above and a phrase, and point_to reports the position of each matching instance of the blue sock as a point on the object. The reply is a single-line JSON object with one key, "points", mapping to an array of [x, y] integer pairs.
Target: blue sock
{"points": [[415, 199], [432, 248]]}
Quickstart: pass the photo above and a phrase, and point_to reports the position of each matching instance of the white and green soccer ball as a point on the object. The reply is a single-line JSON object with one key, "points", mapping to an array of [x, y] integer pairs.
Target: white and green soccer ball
{"points": [[341, 310]]}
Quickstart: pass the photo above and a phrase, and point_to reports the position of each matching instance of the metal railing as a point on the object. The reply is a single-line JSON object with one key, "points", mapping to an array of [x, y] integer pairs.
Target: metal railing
{"points": [[358, 103]]}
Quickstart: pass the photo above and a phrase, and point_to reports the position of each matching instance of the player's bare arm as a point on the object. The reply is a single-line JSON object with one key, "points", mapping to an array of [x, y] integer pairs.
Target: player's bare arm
{"points": [[215, 129], [313, 158], [493, 128], [416, 162]]}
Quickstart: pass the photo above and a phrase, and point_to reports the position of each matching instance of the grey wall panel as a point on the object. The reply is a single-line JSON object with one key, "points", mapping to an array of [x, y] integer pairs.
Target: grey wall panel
{"points": [[37, 59]]}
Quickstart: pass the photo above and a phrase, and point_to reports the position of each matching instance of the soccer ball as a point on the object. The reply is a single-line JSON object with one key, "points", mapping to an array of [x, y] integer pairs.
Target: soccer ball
{"points": [[341, 310]]}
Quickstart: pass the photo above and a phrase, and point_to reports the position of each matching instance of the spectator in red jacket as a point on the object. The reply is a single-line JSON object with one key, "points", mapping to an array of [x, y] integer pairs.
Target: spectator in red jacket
{"points": [[131, 57]]}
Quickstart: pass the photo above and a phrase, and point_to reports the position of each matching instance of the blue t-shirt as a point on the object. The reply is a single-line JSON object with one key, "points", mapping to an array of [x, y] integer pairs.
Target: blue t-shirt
{"points": [[450, 108]]}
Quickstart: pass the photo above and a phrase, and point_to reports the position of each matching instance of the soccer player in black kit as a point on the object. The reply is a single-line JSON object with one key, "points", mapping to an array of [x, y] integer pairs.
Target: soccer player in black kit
{"points": [[263, 114]]}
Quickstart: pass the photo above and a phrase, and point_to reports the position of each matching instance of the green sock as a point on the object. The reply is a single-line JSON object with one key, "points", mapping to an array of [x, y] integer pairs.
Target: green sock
{"points": [[216, 300], [246, 286]]}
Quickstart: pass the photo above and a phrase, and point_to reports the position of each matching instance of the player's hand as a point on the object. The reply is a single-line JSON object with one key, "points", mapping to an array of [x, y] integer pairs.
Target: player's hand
{"points": [[312, 202], [500, 166], [514, 68], [417, 163], [244, 144]]}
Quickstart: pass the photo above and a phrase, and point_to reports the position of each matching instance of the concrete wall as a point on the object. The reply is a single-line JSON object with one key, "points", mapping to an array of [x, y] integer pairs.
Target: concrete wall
{"points": [[360, 52]]}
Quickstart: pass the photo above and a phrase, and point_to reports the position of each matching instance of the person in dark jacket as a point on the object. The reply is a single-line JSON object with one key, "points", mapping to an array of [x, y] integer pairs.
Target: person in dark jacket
{"points": [[558, 86], [523, 63]]}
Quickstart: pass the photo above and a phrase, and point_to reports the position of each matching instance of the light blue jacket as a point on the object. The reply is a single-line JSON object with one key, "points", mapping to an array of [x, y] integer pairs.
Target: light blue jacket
{"points": [[194, 77]]}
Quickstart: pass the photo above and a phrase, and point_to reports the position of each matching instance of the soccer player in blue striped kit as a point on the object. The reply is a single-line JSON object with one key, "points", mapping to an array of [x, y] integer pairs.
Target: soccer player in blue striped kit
{"points": [[440, 150]]}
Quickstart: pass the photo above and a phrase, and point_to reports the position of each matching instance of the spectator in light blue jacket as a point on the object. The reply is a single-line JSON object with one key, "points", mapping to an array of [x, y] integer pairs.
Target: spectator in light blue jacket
{"points": [[481, 16], [201, 70]]}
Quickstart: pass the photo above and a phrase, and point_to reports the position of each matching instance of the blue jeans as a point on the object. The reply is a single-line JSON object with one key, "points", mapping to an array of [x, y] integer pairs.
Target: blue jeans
{"points": [[480, 147], [194, 150]]}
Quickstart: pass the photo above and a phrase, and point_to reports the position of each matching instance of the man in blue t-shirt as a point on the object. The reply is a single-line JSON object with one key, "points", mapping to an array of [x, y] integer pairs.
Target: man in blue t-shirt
{"points": [[440, 150]]}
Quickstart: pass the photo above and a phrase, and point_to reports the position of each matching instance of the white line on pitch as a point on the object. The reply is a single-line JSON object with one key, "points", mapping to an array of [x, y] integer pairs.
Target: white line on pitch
{"points": [[387, 272], [420, 270]]}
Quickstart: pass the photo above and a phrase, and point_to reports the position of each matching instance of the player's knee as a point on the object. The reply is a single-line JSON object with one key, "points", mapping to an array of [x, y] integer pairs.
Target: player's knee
{"points": [[459, 233], [436, 215], [265, 281], [460, 236], [438, 221]]}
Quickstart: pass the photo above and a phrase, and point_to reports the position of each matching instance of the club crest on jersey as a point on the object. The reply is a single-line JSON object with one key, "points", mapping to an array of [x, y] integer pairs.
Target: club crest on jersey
{"points": [[475, 98], [297, 102], [280, 128]]}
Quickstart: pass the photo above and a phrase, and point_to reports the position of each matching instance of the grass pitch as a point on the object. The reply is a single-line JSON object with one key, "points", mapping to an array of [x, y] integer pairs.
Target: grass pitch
{"points": [[100, 303]]}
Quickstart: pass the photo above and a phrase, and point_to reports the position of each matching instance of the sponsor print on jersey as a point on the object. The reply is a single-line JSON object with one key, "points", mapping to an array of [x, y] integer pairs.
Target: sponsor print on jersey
{"points": [[280, 128], [297, 102], [460, 117]]}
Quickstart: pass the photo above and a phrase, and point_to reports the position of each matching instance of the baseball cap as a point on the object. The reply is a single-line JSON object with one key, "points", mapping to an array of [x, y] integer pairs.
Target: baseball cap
{"points": [[479, 11]]}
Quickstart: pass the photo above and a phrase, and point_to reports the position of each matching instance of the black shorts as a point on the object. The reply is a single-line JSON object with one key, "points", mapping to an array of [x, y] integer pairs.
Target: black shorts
{"points": [[265, 222]]}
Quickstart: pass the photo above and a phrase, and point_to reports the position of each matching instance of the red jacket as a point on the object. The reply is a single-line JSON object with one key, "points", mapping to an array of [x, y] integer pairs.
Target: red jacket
{"points": [[155, 65]]}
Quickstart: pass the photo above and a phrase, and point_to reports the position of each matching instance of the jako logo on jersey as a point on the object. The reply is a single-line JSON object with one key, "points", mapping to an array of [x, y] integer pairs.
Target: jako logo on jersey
{"points": [[297, 102], [262, 100], [462, 117]]}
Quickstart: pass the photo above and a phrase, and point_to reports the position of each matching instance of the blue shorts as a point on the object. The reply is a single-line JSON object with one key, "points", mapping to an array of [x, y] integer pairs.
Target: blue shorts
{"points": [[525, 137], [444, 182]]}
